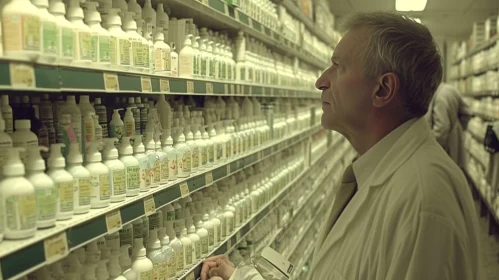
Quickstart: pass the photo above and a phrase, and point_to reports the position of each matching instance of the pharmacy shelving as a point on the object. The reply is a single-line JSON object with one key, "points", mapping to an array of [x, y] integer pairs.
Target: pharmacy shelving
{"points": [[478, 49], [23, 256], [216, 14], [17, 75], [232, 241]]}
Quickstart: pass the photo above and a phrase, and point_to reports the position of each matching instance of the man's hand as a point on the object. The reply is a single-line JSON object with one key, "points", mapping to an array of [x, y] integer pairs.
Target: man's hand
{"points": [[217, 266]]}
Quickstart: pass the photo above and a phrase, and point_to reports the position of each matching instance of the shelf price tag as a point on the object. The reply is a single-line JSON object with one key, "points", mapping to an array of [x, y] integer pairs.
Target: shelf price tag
{"points": [[226, 89], [232, 89], [190, 276], [228, 169], [229, 244], [250, 22], [205, 2], [55, 247], [145, 84], [238, 236], [149, 205], [190, 87], [22, 75], [250, 90], [184, 189], [111, 82], [209, 88], [113, 221], [209, 178], [164, 85], [236, 14]]}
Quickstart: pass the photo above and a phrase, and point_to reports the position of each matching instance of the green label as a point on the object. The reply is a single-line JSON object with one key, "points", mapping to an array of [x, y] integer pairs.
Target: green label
{"points": [[83, 187], [124, 47], [95, 47], [46, 204], [113, 54], [133, 177], [49, 33], [65, 189], [118, 181], [85, 45], [20, 212], [104, 49]]}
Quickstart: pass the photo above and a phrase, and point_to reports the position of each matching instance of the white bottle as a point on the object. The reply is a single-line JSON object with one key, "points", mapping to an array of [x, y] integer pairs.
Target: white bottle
{"points": [[116, 170], [210, 228], [188, 247], [193, 146], [155, 254], [210, 148], [197, 56], [203, 238], [49, 26], [81, 183], [142, 265], [18, 201], [217, 145], [125, 261], [45, 191], [132, 167], [21, 27], [168, 254], [161, 53], [101, 37], [186, 59], [139, 154], [7, 115], [183, 157], [177, 247], [99, 178], [196, 243], [116, 126], [174, 60], [63, 181], [129, 122], [83, 46], [149, 14], [137, 56], [119, 44], [5, 143], [171, 154], [65, 33], [163, 160], [23, 137], [229, 217], [71, 108], [154, 164]]}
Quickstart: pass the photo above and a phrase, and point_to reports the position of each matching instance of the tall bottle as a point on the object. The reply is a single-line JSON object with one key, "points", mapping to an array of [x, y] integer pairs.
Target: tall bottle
{"points": [[196, 243], [142, 265], [5, 144], [129, 122], [116, 170], [23, 137], [71, 108], [45, 191], [119, 44], [63, 182], [49, 44], [100, 36], [99, 178], [83, 47], [81, 183], [186, 59], [132, 167], [65, 34], [193, 146], [7, 114], [139, 153]]}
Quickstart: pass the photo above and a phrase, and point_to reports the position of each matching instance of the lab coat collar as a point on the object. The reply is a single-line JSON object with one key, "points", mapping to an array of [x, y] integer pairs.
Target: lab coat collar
{"points": [[365, 165]]}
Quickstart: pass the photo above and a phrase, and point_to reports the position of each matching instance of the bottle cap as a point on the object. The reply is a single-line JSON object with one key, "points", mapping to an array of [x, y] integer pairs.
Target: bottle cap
{"points": [[138, 244], [93, 154], [138, 147], [110, 151], [126, 148], [23, 124], [130, 24], [113, 19], [14, 166], [57, 7], [35, 161], [56, 160], [74, 12], [91, 15]]}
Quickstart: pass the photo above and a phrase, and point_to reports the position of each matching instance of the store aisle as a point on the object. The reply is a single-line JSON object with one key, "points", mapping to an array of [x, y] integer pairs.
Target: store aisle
{"points": [[490, 248]]}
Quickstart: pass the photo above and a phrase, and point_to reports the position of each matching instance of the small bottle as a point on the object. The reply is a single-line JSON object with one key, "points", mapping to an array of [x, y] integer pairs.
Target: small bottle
{"points": [[129, 122], [18, 200], [23, 137], [82, 184], [142, 265], [63, 182], [174, 60], [139, 153], [203, 236], [98, 128], [116, 170], [171, 154], [156, 255], [46, 193], [116, 126], [99, 178], [196, 243], [183, 157], [132, 167]]}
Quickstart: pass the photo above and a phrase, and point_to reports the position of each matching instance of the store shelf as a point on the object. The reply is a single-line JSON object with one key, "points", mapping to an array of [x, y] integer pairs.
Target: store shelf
{"points": [[232, 241], [478, 49], [19, 257], [478, 72], [217, 15], [482, 94], [17, 75], [492, 211]]}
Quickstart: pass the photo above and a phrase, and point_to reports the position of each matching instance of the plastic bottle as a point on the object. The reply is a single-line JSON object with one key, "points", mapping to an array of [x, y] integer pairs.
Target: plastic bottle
{"points": [[49, 41], [63, 181], [83, 46], [101, 112], [71, 108], [135, 113], [217, 145], [5, 144], [125, 261], [149, 40], [183, 157], [171, 155], [139, 153], [65, 33], [186, 59], [163, 161], [154, 164], [113, 266], [210, 228], [155, 254], [132, 167], [116, 170], [119, 44], [116, 126], [174, 60], [134, 7], [7, 114], [203, 236], [129, 122], [22, 21], [161, 53], [23, 137], [137, 56], [142, 265], [81, 183], [101, 37], [99, 178], [45, 191], [193, 146], [196, 243]]}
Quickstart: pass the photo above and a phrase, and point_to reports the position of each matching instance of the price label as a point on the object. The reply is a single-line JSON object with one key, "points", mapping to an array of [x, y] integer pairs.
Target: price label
{"points": [[238, 236], [226, 89], [55, 247], [209, 178], [250, 90], [190, 276], [229, 244], [236, 14], [22, 75], [164, 85], [184, 189], [250, 22], [205, 2], [252, 223], [232, 89], [190, 87], [113, 221], [209, 88], [145, 83], [228, 169], [226, 9], [149, 205], [111, 82], [263, 91]]}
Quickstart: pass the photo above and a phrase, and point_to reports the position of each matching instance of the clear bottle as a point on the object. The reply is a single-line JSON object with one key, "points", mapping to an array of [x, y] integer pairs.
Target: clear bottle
{"points": [[116, 170], [83, 46], [81, 183], [63, 181], [132, 168], [65, 33], [100, 36], [45, 191], [119, 44], [142, 265], [49, 26], [99, 178]]}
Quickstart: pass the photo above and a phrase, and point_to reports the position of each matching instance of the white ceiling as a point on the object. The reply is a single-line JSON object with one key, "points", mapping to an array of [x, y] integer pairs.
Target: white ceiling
{"points": [[446, 18]]}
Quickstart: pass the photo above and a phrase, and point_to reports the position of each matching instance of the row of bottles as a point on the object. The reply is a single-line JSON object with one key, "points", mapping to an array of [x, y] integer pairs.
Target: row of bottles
{"points": [[179, 235]]}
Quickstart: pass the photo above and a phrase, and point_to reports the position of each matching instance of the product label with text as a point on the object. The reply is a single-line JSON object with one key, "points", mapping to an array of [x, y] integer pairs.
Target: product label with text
{"points": [[46, 203], [20, 212], [66, 203]]}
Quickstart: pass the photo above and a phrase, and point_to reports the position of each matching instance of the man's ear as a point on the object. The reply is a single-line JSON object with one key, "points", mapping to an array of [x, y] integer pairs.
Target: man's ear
{"points": [[387, 88]]}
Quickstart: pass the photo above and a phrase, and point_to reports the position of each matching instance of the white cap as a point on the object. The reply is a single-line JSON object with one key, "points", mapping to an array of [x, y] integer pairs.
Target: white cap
{"points": [[56, 160], [126, 148], [74, 12], [125, 261], [110, 151], [35, 161], [138, 245], [22, 124], [150, 143], [113, 18], [154, 243], [91, 15], [93, 154], [139, 147], [181, 138], [14, 166], [74, 155]]}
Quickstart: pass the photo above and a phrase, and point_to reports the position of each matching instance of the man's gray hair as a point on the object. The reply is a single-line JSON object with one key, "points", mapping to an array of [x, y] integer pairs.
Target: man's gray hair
{"points": [[400, 45]]}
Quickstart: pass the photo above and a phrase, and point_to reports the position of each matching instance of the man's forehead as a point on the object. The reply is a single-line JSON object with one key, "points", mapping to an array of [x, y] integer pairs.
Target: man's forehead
{"points": [[352, 43]]}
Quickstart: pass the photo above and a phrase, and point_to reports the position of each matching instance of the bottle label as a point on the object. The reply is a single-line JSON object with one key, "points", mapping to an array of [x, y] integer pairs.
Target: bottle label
{"points": [[82, 188], [195, 65], [174, 64], [229, 73], [197, 250], [211, 153], [163, 270], [195, 157], [159, 59], [104, 49], [156, 267], [124, 47], [157, 171], [204, 245], [117, 178], [228, 149], [218, 232], [164, 169], [170, 216], [172, 266], [188, 254], [66, 193], [223, 228], [172, 163], [186, 162], [104, 187], [94, 47], [179, 256], [211, 237], [230, 225], [154, 221], [20, 212], [126, 236], [46, 203], [133, 177], [146, 275], [23, 33], [138, 53], [137, 230], [129, 128], [144, 172], [204, 156], [85, 44], [67, 42], [26, 145], [49, 37], [9, 122], [113, 58], [186, 64]]}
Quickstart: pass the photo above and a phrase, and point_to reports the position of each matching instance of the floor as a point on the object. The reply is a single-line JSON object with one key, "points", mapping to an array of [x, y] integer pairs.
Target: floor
{"points": [[490, 248]]}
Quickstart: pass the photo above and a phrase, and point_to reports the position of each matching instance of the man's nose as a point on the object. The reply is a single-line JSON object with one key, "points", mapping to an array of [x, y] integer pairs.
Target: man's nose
{"points": [[322, 83]]}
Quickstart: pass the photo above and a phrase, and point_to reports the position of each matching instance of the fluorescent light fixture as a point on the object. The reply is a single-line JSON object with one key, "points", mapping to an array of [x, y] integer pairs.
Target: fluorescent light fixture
{"points": [[410, 5]]}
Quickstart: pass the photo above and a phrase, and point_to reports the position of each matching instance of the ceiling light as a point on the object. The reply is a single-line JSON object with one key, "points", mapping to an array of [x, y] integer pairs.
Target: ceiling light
{"points": [[410, 5], [418, 20]]}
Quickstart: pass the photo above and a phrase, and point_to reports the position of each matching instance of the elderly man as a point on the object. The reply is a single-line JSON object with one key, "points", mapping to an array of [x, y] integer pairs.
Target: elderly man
{"points": [[403, 209]]}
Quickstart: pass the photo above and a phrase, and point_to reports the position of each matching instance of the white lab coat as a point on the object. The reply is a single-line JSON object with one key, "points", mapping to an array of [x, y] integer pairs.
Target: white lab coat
{"points": [[412, 217]]}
